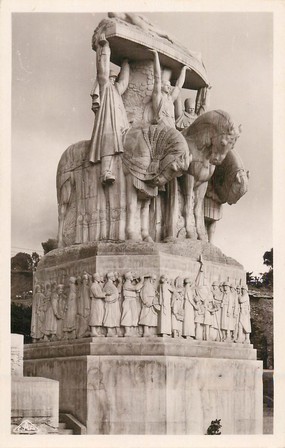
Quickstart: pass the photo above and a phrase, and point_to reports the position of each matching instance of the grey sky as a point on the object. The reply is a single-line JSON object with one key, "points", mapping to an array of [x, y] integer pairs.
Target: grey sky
{"points": [[53, 69]]}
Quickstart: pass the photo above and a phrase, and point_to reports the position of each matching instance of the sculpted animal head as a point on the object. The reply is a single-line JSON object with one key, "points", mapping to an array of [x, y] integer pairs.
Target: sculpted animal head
{"points": [[230, 179], [214, 134]]}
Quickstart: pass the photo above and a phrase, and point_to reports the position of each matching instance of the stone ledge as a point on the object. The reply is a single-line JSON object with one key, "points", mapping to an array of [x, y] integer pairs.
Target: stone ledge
{"points": [[191, 249], [152, 346]]}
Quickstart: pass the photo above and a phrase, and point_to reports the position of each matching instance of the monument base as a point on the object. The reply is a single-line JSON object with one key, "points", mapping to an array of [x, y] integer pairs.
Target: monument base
{"points": [[153, 385]]}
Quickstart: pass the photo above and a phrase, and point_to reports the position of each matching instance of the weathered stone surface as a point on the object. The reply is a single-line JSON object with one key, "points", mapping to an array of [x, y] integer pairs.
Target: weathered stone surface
{"points": [[155, 387], [128, 41], [184, 248], [35, 399], [138, 346], [17, 350]]}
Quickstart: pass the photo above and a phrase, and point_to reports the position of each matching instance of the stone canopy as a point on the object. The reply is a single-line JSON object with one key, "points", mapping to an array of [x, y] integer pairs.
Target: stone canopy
{"points": [[127, 41]]}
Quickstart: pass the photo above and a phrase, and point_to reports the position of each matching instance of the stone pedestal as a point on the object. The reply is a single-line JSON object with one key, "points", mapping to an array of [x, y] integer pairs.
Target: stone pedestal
{"points": [[154, 385], [179, 258]]}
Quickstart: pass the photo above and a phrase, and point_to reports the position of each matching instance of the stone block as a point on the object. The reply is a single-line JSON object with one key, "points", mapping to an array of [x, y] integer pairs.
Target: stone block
{"points": [[17, 349], [35, 399], [159, 386]]}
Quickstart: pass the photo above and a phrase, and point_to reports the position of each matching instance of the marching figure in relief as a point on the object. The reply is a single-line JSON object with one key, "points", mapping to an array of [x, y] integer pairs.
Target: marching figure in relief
{"points": [[217, 301], [112, 315], [188, 330], [97, 306], [50, 323], [61, 306], [83, 309], [149, 298], [69, 326], [111, 122], [177, 305], [244, 317], [164, 317], [37, 314], [227, 320], [238, 293], [130, 314]]}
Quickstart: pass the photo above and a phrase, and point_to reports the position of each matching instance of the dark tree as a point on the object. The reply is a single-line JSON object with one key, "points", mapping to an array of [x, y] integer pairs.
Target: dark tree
{"points": [[22, 262], [21, 321], [268, 258]]}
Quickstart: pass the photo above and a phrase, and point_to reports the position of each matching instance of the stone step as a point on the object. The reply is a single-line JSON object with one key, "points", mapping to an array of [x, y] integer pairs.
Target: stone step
{"points": [[65, 432]]}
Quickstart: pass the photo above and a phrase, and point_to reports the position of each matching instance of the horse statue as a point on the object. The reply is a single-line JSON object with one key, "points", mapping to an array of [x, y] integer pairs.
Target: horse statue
{"points": [[154, 157], [210, 138]]}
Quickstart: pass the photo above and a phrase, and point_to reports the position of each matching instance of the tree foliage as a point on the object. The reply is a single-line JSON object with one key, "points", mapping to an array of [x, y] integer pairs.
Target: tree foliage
{"points": [[25, 262], [21, 321], [264, 279]]}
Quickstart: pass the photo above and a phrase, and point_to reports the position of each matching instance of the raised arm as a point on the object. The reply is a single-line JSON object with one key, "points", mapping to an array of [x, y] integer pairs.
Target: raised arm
{"points": [[178, 108], [103, 54], [179, 84], [156, 93], [124, 76]]}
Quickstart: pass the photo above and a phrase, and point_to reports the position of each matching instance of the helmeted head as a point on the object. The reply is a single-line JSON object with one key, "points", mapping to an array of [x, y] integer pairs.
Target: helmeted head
{"points": [[189, 106], [96, 277], [215, 285], [226, 285], [111, 276], [244, 288], [129, 276], [113, 76]]}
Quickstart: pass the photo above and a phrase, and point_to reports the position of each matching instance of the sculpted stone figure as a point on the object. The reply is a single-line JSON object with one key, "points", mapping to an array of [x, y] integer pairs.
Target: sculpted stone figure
{"points": [[227, 185], [97, 306], [50, 323], [164, 96], [203, 297], [217, 301], [177, 305], [37, 321], [186, 116], [70, 321], [153, 156], [164, 316], [149, 298], [130, 312], [111, 120], [244, 317], [61, 307], [112, 315], [188, 330], [83, 306], [228, 306], [209, 139], [237, 312], [140, 21]]}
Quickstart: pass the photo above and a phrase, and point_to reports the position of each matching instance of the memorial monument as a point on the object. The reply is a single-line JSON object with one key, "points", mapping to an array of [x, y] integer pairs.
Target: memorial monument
{"points": [[141, 319]]}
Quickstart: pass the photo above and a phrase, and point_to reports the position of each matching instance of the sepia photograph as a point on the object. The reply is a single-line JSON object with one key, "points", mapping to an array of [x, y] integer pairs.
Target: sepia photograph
{"points": [[141, 211]]}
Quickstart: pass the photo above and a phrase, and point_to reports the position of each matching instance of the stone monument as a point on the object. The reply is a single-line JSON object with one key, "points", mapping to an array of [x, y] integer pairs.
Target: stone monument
{"points": [[141, 319]]}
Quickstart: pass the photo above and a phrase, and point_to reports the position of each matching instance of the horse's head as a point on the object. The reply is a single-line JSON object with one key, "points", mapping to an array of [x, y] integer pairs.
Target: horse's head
{"points": [[238, 187], [215, 134]]}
